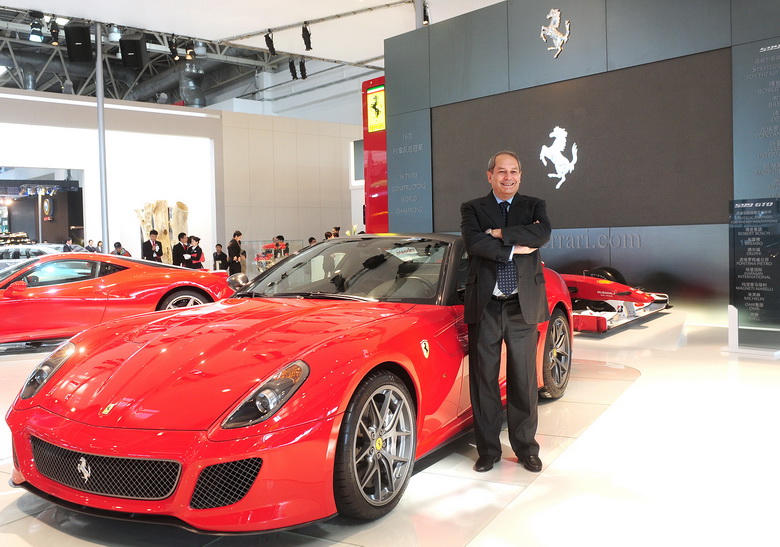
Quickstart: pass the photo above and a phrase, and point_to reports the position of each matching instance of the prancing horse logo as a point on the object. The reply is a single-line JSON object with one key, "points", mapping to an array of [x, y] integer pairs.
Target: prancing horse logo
{"points": [[558, 38], [554, 153], [84, 469]]}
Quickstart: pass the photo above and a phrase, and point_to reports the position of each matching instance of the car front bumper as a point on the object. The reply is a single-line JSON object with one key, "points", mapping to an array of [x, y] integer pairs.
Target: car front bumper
{"points": [[288, 480]]}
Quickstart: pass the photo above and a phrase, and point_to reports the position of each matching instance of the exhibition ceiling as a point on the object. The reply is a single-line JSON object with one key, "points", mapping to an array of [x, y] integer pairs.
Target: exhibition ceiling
{"points": [[232, 34]]}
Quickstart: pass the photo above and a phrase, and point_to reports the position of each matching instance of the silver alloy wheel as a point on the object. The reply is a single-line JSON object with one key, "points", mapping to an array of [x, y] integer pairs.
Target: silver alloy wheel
{"points": [[384, 445], [556, 366], [184, 300], [559, 354]]}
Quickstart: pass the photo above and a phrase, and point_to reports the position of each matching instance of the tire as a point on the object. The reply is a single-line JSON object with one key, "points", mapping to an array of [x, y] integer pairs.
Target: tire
{"points": [[557, 356], [376, 447], [183, 299], [605, 272]]}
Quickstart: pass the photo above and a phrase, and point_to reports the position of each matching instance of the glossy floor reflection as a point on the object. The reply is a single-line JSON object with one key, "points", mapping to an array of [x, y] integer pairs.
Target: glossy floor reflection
{"points": [[661, 439]]}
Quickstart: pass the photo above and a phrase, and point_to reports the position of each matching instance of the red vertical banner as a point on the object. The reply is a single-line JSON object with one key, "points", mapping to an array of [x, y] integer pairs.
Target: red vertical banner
{"points": [[375, 155]]}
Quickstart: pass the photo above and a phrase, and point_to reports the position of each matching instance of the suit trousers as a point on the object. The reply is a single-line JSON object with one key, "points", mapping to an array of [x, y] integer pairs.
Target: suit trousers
{"points": [[503, 322]]}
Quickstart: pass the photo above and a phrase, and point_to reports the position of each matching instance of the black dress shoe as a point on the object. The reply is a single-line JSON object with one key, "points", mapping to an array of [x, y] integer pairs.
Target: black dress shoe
{"points": [[485, 463], [532, 463]]}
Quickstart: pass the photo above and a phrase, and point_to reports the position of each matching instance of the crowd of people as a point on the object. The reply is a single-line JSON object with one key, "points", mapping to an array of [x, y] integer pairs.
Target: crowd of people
{"points": [[188, 253]]}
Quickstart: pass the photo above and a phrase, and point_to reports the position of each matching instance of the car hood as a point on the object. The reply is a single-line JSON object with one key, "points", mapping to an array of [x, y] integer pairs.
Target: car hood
{"points": [[183, 371]]}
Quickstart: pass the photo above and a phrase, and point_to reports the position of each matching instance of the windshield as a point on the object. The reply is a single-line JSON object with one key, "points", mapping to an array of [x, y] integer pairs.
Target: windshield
{"points": [[372, 268], [12, 269]]}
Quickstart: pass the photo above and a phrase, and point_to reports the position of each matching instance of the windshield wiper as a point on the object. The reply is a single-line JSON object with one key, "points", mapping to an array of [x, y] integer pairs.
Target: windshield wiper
{"points": [[320, 294], [249, 294]]}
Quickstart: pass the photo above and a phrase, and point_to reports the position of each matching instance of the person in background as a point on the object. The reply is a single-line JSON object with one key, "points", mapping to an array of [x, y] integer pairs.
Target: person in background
{"points": [[119, 250], [281, 249], [151, 248], [196, 254], [328, 235], [68, 247], [336, 230], [220, 258], [234, 253], [312, 240], [179, 250], [99, 248], [91, 246]]}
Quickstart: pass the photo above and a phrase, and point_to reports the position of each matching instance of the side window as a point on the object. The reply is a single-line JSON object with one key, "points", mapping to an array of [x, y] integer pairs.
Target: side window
{"points": [[60, 272], [108, 269], [463, 268]]}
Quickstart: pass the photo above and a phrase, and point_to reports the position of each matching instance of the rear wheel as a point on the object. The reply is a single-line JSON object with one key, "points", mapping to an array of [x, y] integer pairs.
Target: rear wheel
{"points": [[183, 299], [376, 446], [557, 356]]}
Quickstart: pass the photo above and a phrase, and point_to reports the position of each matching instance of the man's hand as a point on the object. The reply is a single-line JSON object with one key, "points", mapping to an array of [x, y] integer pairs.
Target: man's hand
{"points": [[523, 250]]}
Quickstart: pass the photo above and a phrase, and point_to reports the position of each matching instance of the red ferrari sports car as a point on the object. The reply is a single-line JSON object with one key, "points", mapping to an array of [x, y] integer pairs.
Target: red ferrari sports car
{"points": [[57, 295], [309, 393]]}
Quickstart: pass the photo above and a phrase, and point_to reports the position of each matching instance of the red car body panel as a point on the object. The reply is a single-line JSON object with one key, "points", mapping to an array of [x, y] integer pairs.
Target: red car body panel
{"points": [[62, 310], [161, 386]]}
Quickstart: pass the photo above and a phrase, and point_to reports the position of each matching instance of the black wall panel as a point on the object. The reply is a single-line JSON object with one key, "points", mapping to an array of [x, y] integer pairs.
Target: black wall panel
{"points": [[585, 52], [407, 73], [654, 145], [642, 31], [469, 56], [753, 20]]}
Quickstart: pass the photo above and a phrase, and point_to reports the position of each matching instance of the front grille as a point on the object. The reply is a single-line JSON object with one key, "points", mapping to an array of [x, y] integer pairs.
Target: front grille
{"points": [[132, 478], [225, 483]]}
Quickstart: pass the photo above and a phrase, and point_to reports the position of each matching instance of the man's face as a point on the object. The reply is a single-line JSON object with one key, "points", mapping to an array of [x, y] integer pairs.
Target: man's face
{"points": [[183, 240], [153, 237], [505, 178]]}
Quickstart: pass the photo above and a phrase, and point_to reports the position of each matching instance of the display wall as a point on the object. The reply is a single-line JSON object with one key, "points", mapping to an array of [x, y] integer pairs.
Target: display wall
{"points": [[644, 88]]}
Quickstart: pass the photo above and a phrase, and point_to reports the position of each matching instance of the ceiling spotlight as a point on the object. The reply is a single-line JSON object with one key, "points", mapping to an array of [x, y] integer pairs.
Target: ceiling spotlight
{"points": [[269, 42], [54, 28], [67, 88], [36, 27], [426, 18], [293, 73], [114, 34], [306, 33], [173, 49], [200, 49], [190, 55], [302, 68]]}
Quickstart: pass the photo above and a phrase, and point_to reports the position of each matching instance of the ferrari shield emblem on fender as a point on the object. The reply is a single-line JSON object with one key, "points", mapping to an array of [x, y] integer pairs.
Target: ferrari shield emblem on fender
{"points": [[108, 409], [426, 348]]}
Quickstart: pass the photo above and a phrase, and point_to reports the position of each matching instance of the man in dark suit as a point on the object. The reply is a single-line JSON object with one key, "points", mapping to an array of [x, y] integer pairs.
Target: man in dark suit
{"points": [[179, 251], [151, 248], [505, 300]]}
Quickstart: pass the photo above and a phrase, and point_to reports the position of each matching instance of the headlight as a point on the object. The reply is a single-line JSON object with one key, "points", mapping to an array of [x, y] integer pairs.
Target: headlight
{"points": [[266, 400], [46, 368]]}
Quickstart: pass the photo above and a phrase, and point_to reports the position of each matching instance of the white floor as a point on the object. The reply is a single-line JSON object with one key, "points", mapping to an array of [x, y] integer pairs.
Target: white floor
{"points": [[661, 439]]}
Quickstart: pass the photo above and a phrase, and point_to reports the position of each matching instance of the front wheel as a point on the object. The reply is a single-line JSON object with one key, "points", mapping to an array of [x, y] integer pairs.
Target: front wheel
{"points": [[183, 299], [557, 356], [376, 446]]}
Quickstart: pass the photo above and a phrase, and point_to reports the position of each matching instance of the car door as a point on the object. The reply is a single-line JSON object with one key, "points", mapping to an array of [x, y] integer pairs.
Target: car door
{"points": [[55, 298]]}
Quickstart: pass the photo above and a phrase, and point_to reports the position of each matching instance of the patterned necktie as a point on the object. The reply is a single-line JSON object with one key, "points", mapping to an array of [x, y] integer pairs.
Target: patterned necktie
{"points": [[507, 271]]}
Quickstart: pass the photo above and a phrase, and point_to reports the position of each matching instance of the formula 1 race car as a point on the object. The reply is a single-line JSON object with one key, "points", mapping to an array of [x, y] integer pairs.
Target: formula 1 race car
{"points": [[601, 300]]}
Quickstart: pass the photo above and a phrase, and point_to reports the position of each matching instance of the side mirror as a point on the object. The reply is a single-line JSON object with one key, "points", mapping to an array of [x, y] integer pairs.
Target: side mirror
{"points": [[237, 280], [15, 289]]}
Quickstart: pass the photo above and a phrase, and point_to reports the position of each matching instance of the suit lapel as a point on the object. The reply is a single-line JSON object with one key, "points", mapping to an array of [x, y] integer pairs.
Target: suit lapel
{"points": [[493, 211]]}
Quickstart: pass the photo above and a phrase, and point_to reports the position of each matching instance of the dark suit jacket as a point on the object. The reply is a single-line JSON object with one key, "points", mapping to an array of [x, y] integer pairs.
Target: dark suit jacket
{"points": [[148, 252], [178, 251], [485, 252]]}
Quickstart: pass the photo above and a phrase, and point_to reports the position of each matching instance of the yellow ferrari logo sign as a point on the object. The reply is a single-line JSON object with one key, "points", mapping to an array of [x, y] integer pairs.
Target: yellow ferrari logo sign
{"points": [[375, 106]]}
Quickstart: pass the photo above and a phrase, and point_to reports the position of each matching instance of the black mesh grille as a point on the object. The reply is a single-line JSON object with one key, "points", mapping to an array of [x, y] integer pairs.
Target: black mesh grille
{"points": [[225, 483], [106, 475]]}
